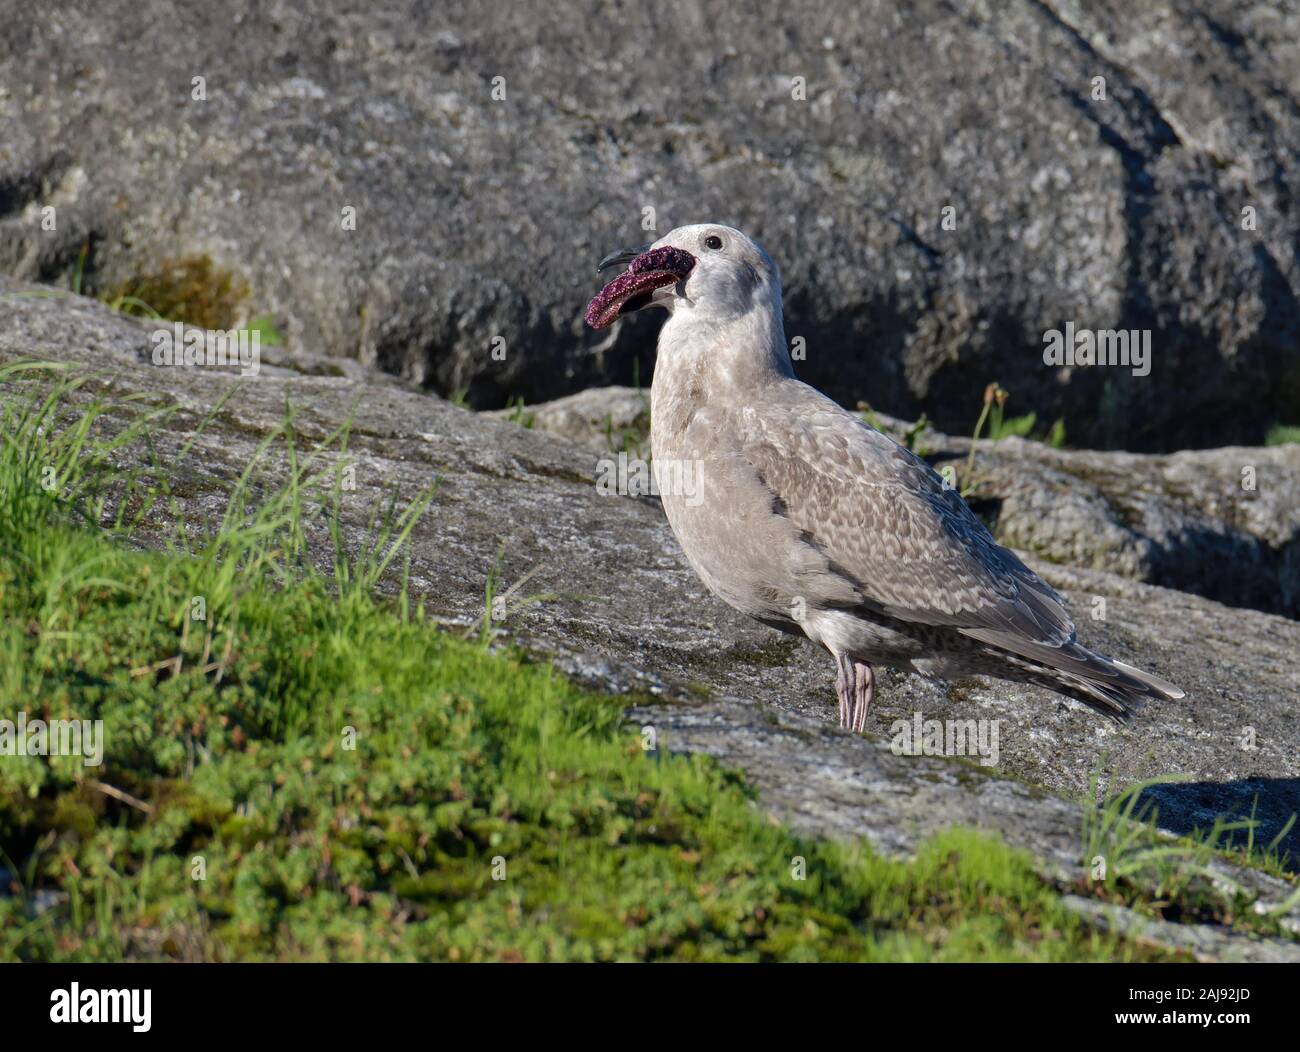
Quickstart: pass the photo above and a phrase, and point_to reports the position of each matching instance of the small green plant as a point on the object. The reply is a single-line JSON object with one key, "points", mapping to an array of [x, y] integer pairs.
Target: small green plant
{"points": [[630, 439], [1282, 434], [994, 395], [1011, 427], [1269, 857], [122, 302], [268, 333], [1128, 856], [1001, 426], [499, 604], [518, 414], [912, 437], [1056, 435]]}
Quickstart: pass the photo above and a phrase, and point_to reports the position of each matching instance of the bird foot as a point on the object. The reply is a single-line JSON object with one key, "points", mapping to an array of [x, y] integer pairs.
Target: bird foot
{"points": [[855, 683]]}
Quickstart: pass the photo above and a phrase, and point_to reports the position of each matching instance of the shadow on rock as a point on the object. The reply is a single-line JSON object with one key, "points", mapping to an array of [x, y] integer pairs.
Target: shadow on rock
{"points": [[1274, 803]]}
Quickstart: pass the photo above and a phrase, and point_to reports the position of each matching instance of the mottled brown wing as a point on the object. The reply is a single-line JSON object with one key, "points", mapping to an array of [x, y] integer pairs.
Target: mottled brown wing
{"points": [[885, 520]]}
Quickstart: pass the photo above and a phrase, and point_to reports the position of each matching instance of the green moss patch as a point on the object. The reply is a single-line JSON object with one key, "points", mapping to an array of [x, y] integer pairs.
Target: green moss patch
{"points": [[191, 289]]}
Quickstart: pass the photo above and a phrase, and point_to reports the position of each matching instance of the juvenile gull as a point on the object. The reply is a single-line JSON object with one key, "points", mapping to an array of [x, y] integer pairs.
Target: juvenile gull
{"points": [[807, 519]]}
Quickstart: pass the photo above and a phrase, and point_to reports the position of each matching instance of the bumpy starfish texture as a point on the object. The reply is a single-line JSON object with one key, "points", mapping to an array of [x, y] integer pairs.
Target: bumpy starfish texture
{"points": [[649, 271]]}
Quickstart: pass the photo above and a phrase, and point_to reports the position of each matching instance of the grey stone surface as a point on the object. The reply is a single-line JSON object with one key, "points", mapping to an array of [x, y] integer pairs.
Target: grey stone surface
{"points": [[1224, 523], [620, 610], [1204, 942], [603, 419], [480, 218]]}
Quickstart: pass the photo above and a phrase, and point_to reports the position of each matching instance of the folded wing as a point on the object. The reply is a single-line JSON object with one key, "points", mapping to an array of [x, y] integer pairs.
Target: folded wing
{"points": [[908, 543]]}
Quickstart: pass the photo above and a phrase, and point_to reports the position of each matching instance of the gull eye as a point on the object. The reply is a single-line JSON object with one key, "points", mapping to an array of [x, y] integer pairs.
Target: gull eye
{"points": [[713, 241]]}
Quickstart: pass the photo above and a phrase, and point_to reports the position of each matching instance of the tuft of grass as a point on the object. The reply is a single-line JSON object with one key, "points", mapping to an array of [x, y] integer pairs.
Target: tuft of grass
{"points": [[1129, 859], [632, 438], [519, 414], [1282, 434], [294, 769]]}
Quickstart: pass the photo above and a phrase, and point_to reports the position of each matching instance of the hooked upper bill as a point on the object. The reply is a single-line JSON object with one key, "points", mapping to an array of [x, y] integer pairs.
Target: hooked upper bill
{"points": [[632, 289]]}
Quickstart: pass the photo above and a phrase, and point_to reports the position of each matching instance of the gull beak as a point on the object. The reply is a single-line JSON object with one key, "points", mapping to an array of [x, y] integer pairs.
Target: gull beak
{"points": [[620, 257]]}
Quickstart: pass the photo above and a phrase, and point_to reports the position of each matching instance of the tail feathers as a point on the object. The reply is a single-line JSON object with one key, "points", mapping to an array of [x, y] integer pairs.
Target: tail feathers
{"points": [[1111, 687], [1151, 685]]}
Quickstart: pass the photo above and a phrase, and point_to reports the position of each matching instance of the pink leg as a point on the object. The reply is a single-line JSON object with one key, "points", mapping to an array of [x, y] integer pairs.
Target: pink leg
{"points": [[864, 689], [844, 687]]}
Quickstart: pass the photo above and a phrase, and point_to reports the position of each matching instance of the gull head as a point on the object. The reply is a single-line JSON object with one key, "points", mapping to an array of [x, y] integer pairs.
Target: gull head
{"points": [[705, 267]]}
